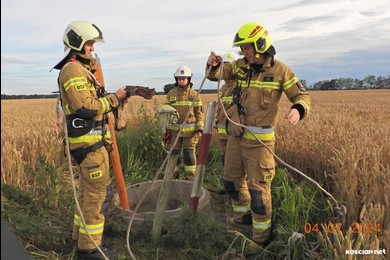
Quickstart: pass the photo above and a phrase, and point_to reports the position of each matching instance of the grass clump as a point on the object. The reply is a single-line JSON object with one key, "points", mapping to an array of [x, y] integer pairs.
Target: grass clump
{"points": [[197, 235]]}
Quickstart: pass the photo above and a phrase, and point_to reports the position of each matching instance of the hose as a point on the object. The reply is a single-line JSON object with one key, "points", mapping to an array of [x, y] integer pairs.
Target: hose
{"points": [[161, 167], [341, 211]]}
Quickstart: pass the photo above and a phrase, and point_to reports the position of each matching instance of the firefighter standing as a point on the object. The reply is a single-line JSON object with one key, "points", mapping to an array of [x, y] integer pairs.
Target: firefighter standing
{"points": [[249, 165], [220, 118], [88, 133], [184, 99], [220, 122]]}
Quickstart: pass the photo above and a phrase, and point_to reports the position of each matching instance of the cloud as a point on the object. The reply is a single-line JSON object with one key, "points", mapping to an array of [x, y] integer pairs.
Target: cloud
{"points": [[145, 41]]}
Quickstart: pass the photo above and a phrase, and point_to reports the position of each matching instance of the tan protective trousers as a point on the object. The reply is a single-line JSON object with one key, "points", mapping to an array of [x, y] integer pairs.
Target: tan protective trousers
{"points": [[251, 167], [221, 145], [221, 141], [94, 179], [188, 145]]}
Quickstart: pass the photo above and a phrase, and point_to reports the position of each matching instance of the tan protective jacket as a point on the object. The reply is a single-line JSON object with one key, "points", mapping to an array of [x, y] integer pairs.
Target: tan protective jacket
{"points": [[182, 100], [82, 105], [261, 91], [226, 99]]}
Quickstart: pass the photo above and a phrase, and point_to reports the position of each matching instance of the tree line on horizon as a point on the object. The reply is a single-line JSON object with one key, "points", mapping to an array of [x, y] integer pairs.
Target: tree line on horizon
{"points": [[368, 82]]}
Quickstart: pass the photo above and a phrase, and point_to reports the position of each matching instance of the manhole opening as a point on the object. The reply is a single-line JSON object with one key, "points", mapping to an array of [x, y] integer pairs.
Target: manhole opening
{"points": [[179, 196]]}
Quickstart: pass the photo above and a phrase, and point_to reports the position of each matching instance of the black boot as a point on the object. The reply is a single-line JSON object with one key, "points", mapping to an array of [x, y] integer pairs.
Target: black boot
{"points": [[95, 254]]}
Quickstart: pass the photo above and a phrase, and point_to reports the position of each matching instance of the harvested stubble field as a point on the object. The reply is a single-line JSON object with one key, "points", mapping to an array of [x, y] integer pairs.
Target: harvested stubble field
{"points": [[343, 144]]}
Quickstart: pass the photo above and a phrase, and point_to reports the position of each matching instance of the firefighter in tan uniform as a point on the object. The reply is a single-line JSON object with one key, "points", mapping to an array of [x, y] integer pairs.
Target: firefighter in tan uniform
{"points": [[225, 95], [249, 165], [184, 99], [220, 118], [88, 134]]}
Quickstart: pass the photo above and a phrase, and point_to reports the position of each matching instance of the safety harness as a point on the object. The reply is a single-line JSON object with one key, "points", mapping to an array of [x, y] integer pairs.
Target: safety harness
{"points": [[80, 126]]}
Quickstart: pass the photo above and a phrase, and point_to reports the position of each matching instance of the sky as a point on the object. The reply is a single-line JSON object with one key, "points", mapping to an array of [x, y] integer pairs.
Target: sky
{"points": [[146, 41]]}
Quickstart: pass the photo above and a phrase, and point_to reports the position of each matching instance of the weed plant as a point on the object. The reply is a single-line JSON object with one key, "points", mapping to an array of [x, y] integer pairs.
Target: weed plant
{"points": [[141, 149]]}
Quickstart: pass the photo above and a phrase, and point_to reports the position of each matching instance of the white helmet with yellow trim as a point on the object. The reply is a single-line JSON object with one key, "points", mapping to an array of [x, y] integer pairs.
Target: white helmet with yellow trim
{"points": [[75, 36], [79, 32], [183, 71]]}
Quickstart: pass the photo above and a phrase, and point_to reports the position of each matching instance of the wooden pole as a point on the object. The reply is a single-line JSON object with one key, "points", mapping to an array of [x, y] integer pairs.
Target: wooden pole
{"points": [[163, 198]]}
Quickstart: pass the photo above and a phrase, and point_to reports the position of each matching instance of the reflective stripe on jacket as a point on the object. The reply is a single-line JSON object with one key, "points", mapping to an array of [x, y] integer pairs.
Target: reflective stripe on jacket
{"points": [[80, 100], [226, 99], [184, 101], [262, 90]]}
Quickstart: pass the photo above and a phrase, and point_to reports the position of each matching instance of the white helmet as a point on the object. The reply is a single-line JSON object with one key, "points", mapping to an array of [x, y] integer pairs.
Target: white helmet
{"points": [[75, 36], [230, 57], [183, 71], [79, 32]]}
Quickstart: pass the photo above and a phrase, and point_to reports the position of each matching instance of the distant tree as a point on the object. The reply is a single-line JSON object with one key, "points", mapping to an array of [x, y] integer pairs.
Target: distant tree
{"points": [[329, 85], [345, 83], [382, 82], [168, 87], [369, 81], [317, 85], [358, 84]]}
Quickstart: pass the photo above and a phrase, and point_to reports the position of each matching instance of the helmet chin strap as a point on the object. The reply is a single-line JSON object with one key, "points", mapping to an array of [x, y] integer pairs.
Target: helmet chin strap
{"points": [[83, 59]]}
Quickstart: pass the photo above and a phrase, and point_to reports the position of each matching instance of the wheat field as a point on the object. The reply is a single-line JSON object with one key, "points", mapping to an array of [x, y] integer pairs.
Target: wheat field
{"points": [[343, 144]]}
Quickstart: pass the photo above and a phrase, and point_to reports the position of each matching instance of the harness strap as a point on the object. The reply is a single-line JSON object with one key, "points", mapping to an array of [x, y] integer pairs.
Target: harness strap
{"points": [[80, 126], [75, 122], [80, 153]]}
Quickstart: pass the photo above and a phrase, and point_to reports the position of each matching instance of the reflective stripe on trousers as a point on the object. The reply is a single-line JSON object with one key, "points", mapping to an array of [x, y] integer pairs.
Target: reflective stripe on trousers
{"points": [[261, 225], [185, 127], [221, 128], [92, 229], [241, 208]]}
